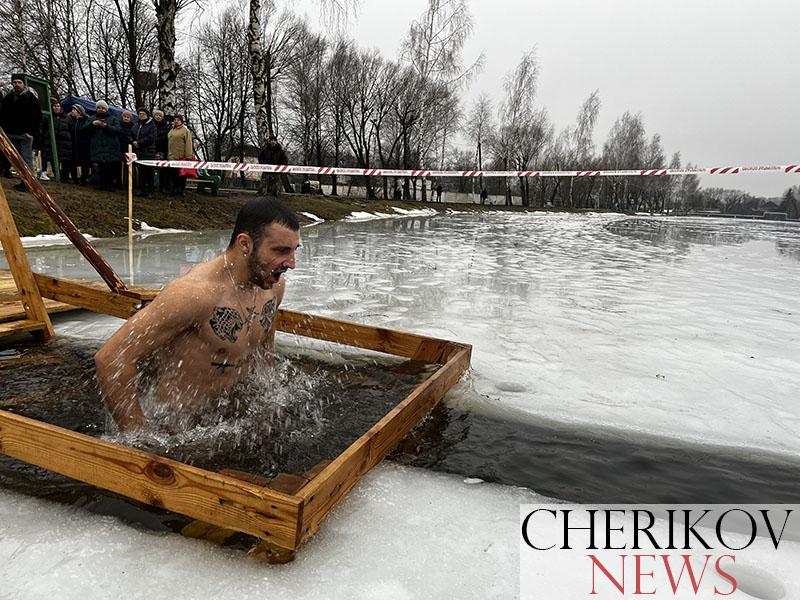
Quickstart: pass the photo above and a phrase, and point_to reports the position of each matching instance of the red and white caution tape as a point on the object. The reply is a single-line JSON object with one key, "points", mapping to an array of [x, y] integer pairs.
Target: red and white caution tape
{"points": [[309, 170]]}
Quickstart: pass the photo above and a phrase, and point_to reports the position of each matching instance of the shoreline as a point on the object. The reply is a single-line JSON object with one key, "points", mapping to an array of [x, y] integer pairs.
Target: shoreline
{"points": [[102, 214]]}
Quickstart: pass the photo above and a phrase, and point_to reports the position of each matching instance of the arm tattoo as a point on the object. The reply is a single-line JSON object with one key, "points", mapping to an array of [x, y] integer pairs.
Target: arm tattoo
{"points": [[267, 313], [226, 323]]}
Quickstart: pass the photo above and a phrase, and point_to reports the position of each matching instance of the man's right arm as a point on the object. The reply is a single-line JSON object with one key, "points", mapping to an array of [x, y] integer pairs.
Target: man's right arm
{"points": [[176, 308]]}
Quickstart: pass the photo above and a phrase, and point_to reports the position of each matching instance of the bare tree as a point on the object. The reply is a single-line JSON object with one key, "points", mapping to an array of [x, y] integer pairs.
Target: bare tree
{"points": [[265, 55], [581, 145], [358, 95], [524, 131], [218, 68], [480, 127], [305, 96], [433, 48], [167, 12], [624, 149]]}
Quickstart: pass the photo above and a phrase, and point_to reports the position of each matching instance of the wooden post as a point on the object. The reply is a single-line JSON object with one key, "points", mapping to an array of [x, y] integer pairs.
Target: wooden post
{"points": [[59, 217], [21, 271], [130, 215]]}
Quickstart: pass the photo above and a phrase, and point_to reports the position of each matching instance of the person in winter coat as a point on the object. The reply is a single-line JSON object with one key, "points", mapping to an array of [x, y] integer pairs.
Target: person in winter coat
{"points": [[179, 147], [104, 131], [162, 129], [125, 139], [20, 117], [144, 146], [272, 154], [81, 152], [61, 128]]}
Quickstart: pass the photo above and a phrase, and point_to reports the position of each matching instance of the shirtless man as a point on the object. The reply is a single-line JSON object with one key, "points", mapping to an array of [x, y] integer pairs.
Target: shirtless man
{"points": [[208, 328]]}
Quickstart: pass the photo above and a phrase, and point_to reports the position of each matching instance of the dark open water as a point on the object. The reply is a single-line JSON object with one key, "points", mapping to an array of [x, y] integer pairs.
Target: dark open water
{"points": [[313, 409]]}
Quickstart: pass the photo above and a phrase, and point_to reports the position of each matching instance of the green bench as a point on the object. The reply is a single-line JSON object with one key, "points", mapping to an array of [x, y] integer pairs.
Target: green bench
{"points": [[204, 181]]}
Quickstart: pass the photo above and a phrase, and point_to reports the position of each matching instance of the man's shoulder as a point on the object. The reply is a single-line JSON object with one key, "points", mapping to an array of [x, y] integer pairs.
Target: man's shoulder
{"points": [[200, 279], [190, 295]]}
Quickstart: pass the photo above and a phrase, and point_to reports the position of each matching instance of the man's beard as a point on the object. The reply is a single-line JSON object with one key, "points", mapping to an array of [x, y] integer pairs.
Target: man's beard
{"points": [[254, 273]]}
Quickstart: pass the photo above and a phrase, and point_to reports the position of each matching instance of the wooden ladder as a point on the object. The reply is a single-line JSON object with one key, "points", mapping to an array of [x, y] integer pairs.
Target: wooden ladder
{"points": [[36, 320]]}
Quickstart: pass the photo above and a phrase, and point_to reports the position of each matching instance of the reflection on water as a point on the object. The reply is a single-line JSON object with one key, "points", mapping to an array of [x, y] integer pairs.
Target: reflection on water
{"points": [[683, 232]]}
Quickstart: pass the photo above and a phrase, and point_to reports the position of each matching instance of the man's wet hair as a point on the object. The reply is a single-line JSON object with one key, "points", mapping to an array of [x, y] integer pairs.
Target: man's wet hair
{"points": [[254, 216]]}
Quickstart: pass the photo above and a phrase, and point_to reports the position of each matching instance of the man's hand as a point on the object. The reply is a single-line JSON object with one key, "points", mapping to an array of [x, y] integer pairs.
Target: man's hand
{"points": [[28, 135]]}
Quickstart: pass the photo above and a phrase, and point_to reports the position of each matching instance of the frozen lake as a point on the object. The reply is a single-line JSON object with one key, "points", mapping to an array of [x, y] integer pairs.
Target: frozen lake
{"points": [[683, 330]]}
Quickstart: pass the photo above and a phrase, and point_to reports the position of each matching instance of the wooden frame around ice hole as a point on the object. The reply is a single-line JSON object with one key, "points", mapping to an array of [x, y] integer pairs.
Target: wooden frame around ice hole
{"points": [[228, 501]]}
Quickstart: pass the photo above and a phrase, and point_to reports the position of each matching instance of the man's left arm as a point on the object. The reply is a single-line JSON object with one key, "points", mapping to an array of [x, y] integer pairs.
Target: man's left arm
{"points": [[269, 315]]}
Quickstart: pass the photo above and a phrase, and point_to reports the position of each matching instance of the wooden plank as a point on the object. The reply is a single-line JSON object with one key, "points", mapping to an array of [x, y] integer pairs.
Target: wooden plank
{"points": [[211, 497], [258, 480], [287, 483], [59, 217], [93, 298], [21, 271], [326, 490], [316, 469], [11, 301], [21, 326], [408, 345], [13, 311]]}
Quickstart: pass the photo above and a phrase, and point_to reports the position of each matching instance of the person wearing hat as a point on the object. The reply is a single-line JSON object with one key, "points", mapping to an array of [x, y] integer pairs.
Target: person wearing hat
{"points": [[104, 130], [61, 128], [126, 136], [272, 154], [144, 146], [162, 129], [20, 117], [179, 147], [81, 151]]}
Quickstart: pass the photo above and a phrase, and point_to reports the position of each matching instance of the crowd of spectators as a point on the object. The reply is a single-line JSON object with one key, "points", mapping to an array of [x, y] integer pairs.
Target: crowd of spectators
{"points": [[91, 140], [90, 148]]}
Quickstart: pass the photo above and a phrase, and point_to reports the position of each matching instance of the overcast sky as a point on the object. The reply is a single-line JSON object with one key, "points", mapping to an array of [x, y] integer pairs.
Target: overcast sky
{"points": [[717, 79]]}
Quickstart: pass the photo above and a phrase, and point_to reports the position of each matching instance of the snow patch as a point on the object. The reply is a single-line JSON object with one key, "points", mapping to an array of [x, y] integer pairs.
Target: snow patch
{"points": [[48, 240], [144, 228], [401, 212], [316, 220]]}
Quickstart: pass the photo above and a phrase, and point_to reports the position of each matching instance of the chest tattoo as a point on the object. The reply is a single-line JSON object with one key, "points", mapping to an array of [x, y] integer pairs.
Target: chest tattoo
{"points": [[267, 314], [226, 323]]}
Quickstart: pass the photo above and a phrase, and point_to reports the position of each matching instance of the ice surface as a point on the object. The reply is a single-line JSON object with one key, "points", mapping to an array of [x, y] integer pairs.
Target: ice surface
{"points": [[400, 534], [685, 328]]}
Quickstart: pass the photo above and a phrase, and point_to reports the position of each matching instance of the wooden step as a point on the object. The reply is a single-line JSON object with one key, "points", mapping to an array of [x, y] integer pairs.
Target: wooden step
{"points": [[21, 326]]}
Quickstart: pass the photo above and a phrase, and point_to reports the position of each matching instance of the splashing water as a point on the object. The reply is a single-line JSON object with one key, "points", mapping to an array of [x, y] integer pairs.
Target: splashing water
{"points": [[286, 418]]}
